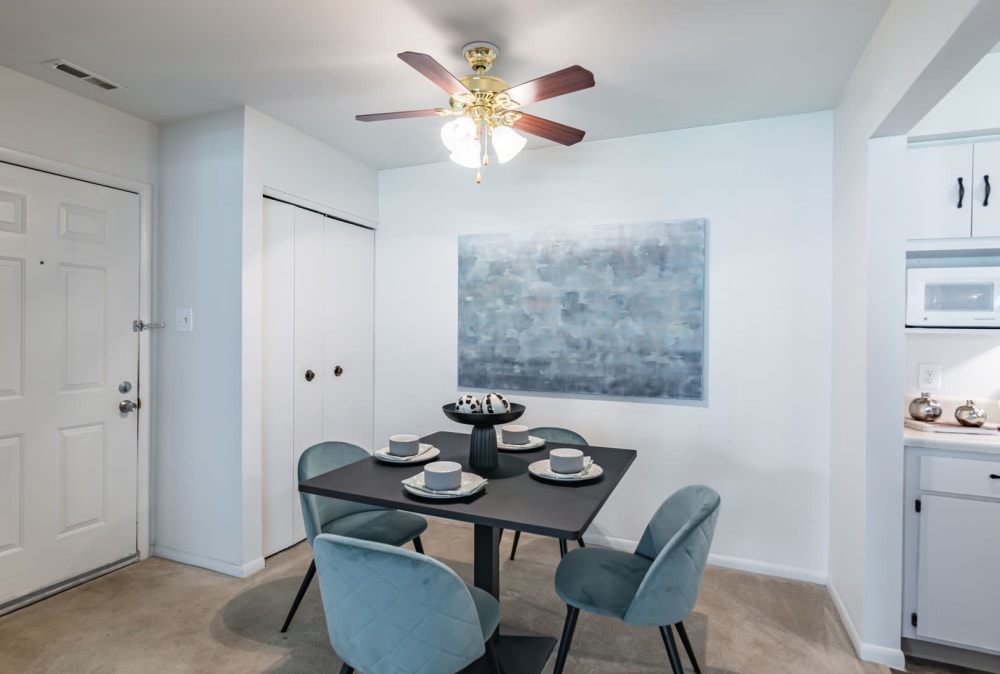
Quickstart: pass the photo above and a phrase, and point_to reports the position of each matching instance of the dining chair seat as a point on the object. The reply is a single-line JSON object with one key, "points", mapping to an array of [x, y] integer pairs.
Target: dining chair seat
{"points": [[393, 611], [602, 581]]}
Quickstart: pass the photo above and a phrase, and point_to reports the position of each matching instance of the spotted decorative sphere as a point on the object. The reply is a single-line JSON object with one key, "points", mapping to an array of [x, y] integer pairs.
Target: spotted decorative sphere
{"points": [[468, 403], [495, 403]]}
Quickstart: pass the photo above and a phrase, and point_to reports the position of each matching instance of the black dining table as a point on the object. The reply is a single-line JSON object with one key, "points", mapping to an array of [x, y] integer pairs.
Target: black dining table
{"points": [[513, 499]]}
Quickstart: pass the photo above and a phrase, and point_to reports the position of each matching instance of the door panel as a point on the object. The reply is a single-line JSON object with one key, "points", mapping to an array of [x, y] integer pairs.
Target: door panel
{"points": [[986, 170], [934, 179], [69, 277]]}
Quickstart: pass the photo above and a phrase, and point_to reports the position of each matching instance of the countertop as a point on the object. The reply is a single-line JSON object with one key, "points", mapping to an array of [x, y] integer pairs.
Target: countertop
{"points": [[983, 444]]}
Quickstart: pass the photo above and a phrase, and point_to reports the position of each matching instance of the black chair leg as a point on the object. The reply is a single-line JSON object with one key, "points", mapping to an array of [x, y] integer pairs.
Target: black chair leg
{"points": [[417, 545], [572, 613], [491, 657], [298, 597], [668, 641], [580, 541], [687, 646], [562, 548], [513, 550], [346, 669]]}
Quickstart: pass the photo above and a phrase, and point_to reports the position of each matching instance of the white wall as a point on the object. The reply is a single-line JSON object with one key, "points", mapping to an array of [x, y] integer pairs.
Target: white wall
{"points": [[214, 172], [198, 472], [920, 49], [762, 440], [971, 108]]}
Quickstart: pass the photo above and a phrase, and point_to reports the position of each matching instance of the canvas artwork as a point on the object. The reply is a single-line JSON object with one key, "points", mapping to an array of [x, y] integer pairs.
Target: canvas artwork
{"points": [[615, 310]]}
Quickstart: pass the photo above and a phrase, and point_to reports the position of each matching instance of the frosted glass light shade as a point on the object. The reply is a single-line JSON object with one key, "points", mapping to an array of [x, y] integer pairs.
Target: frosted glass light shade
{"points": [[507, 143], [458, 134], [467, 156]]}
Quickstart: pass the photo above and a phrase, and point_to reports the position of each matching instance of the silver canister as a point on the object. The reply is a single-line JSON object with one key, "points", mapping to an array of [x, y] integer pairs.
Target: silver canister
{"points": [[924, 408], [970, 415]]}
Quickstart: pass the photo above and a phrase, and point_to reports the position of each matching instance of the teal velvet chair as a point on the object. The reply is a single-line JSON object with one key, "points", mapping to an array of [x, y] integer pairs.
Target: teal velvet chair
{"points": [[657, 585], [551, 434], [322, 514], [393, 611]]}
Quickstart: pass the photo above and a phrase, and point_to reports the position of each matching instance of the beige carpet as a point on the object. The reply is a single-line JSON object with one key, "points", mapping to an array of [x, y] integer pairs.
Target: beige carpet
{"points": [[158, 617]]}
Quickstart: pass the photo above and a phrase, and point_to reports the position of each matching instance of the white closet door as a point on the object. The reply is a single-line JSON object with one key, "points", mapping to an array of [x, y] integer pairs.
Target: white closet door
{"points": [[318, 315], [348, 409]]}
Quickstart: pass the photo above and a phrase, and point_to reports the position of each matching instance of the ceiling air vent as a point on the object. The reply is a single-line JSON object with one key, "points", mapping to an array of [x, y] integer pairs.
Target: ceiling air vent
{"points": [[84, 75]]}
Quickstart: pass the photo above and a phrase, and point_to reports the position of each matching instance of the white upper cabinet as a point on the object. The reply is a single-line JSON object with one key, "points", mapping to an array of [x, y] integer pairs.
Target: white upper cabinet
{"points": [[951, 187]]}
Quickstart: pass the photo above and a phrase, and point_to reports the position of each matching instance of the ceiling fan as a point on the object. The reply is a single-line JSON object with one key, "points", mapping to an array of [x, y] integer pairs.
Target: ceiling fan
{"points": [[488, 108]]}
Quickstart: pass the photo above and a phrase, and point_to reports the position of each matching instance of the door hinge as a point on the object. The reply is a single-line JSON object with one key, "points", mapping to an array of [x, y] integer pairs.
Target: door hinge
{"points": [[140, 325], [913, 618], [916, 505]]}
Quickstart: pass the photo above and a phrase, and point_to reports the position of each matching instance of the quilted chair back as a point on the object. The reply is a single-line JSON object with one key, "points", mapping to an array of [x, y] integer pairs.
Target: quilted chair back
{"points": [[318, 511], [677, 539], [391, 610], [555, 434]]}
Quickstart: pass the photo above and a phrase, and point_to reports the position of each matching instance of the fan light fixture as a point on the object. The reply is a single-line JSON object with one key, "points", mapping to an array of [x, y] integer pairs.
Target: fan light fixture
{"points": [[487, 114], [486, 107]]}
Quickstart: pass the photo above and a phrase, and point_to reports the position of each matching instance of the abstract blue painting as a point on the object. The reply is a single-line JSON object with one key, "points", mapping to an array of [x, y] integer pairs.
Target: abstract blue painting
{"points": [[615, 310]]}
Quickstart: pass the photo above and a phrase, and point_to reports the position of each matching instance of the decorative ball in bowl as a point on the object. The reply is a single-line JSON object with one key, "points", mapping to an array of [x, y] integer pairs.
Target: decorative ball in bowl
{"points": [[481, 419]]}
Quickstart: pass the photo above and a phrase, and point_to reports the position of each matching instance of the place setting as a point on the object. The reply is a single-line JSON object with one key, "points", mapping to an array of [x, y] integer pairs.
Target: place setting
{"points": [[405, 449], [515, 438], [566, 465], [444, 480]]}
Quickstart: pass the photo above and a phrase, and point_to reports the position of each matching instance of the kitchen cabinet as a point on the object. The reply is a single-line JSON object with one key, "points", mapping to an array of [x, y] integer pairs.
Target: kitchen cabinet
{"points": [[950, 187], [952, 549], [318, 341]]}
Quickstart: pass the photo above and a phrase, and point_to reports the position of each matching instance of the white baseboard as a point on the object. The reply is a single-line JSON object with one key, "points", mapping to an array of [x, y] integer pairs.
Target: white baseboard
{"points": [[768, 568], [891, 657], [217, 565]]}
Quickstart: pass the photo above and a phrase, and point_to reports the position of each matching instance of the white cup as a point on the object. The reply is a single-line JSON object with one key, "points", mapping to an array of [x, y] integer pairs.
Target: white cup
{"points": [[515, 435], [566, 460], [404, 445], [443, 475]]}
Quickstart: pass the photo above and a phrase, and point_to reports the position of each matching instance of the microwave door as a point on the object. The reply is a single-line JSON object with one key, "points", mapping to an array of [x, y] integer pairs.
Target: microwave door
{"points": [[954, 303]]}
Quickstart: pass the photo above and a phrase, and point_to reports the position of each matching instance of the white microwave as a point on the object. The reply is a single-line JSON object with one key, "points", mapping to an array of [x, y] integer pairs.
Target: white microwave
{"points": [[953, 297]]}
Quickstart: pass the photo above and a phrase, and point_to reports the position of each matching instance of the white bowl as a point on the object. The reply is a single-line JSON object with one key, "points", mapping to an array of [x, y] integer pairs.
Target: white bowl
{"points": [[566, 460], [443, 475], [515, 435], [404, 445]]}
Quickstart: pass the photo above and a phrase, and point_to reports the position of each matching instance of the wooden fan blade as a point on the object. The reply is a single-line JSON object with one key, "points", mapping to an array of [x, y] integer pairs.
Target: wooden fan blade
{"points": [[564, 81], [544, 128], [434, 71], [378, 117]]}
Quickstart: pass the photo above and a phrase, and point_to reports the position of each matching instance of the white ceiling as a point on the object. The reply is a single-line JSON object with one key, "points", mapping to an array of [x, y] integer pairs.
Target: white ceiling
{"points": [[314, 64]]}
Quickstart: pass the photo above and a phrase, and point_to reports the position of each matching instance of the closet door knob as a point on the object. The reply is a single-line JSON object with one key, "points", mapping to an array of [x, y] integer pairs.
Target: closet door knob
{"points": [[310, 375], [337, 371]]}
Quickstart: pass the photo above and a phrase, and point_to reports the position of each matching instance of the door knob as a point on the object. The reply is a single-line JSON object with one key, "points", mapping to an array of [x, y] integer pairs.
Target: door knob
{"points": [[127, 406], [310, 375], [337, 371]]}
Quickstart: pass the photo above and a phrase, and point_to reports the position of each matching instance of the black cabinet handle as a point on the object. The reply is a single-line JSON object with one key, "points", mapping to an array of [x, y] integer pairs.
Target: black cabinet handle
{"points": [[961, 192], [986, 199], [994, 476]]}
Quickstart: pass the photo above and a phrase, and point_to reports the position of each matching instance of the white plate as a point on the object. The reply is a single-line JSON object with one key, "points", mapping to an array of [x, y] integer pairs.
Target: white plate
{"points": [[471, 484], [541, 469], [426, 453], [532, 444]]}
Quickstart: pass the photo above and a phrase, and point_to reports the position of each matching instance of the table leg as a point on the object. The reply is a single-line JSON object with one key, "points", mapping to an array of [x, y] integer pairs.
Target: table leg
{"points": [[517, 653], [486, 555]]}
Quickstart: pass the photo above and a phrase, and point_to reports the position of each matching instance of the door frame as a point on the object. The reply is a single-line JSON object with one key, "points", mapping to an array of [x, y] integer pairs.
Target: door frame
{"points": [[144, 389]]}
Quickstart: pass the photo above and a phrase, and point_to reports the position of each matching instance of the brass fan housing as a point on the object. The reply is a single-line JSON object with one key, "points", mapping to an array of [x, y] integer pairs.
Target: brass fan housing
{"points": [[487, 100], [481, 55]]}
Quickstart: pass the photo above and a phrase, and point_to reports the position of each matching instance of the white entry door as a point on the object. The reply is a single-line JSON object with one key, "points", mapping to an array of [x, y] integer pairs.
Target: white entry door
{"points": [[69, 291]]}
